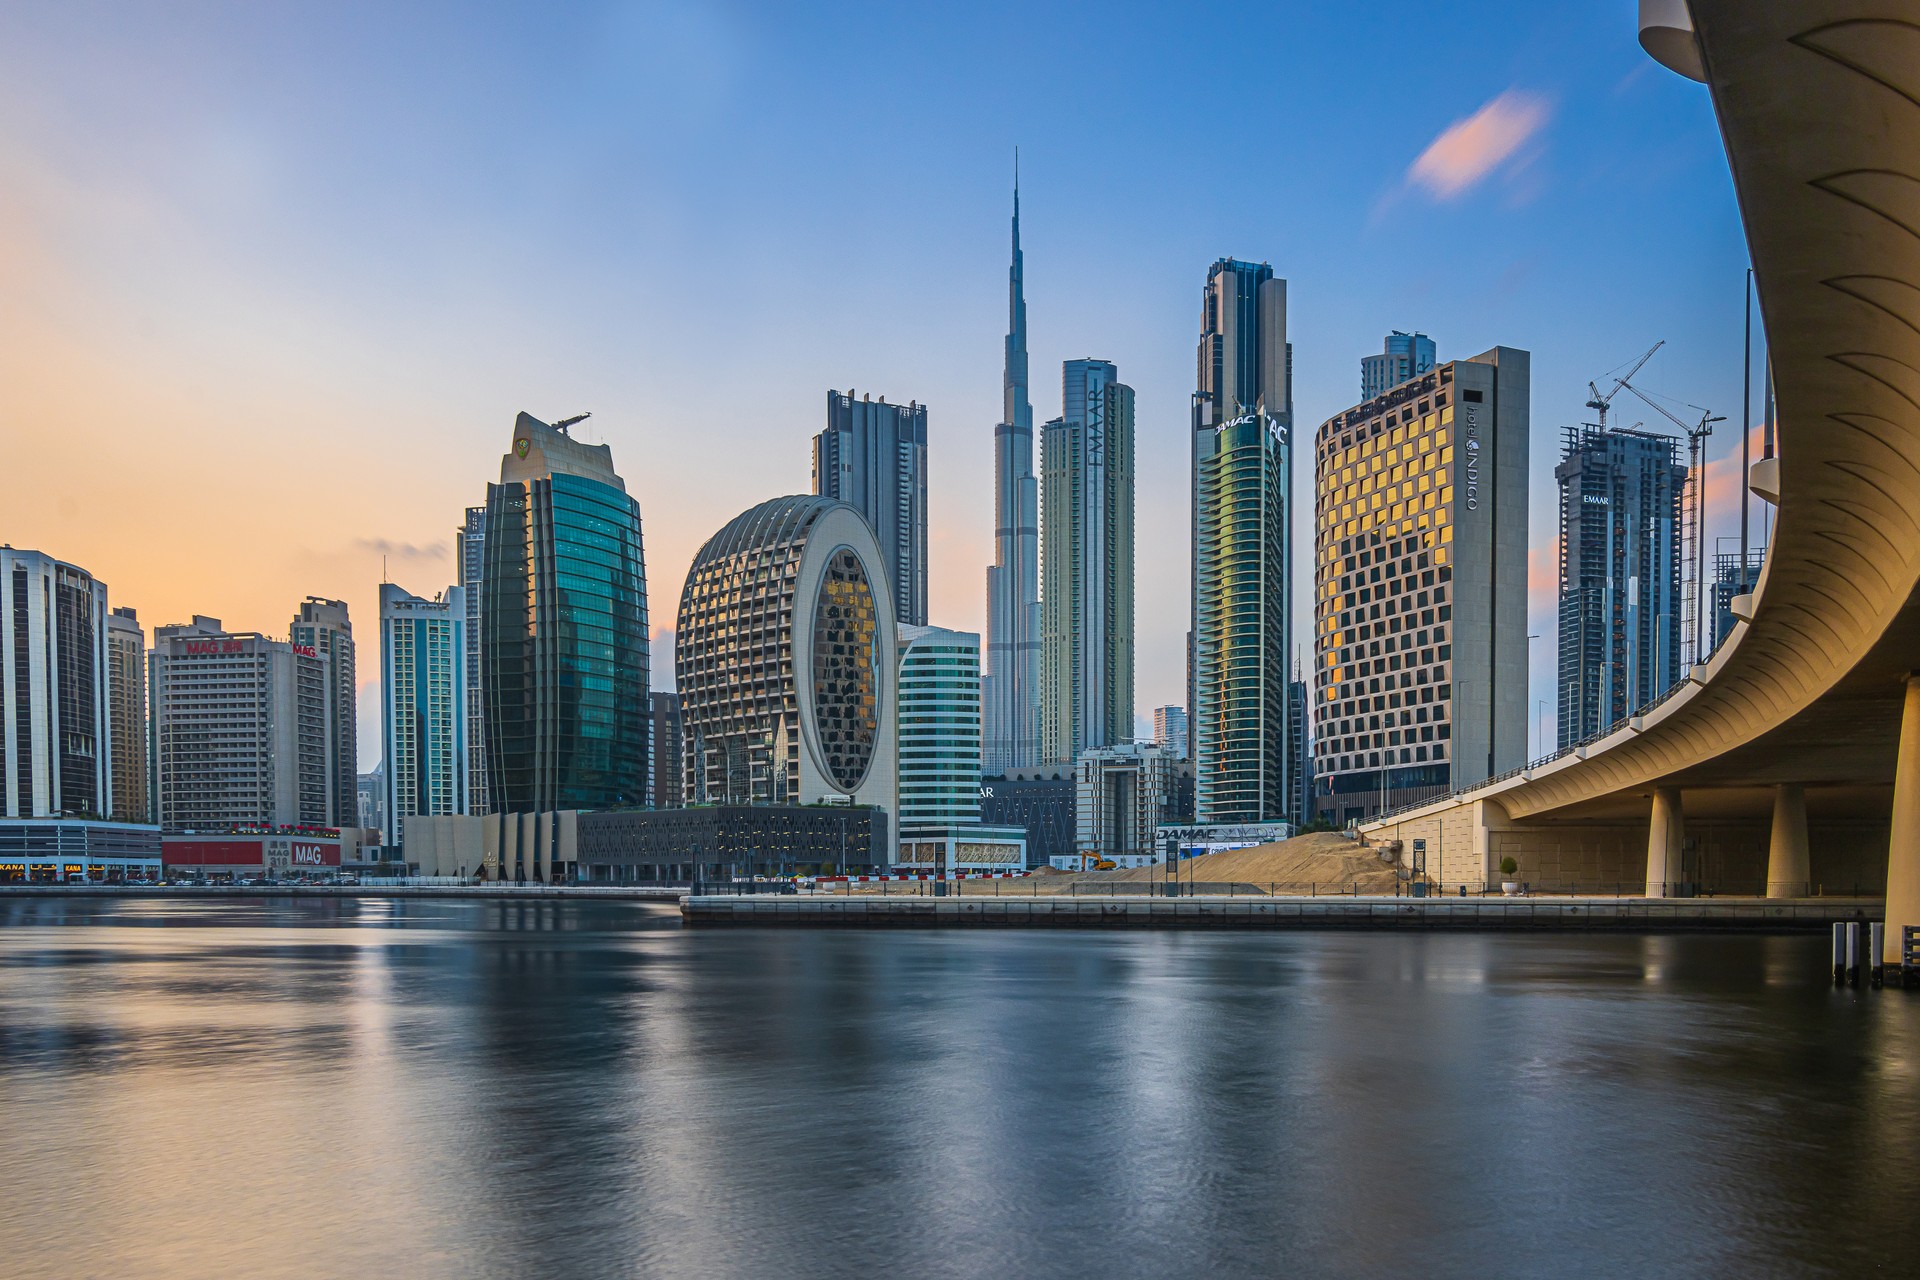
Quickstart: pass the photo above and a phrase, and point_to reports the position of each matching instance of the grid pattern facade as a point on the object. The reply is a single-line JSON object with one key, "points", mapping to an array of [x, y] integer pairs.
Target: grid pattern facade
{"points": [[53, 688], [668, 745], [127, 714], [470, 542], [1619, 600], [1384, 509], [322, 625], [565, 648], [1086, 676], [739, 706], [238, 737], [873, 456], [940, 732], [423, 704]]}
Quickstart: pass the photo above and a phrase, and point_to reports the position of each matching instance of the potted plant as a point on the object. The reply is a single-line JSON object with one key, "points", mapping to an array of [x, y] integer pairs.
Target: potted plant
{"points": [[1508, 870]]}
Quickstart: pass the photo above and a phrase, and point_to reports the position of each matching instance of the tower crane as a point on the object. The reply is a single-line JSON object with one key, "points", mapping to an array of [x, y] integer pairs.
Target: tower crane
{"points": [[1693, 517], [1600, 403]]}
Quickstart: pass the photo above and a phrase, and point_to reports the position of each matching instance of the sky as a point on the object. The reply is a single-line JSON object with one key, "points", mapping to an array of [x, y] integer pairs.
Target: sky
{"points": [[275, 279]]}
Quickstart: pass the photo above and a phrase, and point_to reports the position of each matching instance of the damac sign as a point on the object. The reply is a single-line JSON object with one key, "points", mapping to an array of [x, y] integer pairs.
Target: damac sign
{"points": [[197, 648]]}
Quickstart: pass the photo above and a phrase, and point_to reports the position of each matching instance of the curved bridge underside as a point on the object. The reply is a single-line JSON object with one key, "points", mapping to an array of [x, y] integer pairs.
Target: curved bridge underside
{"points": [[1819, 105]]}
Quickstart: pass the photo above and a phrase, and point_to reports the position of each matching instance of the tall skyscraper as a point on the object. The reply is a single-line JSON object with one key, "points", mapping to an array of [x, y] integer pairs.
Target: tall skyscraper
{"points": [[1086, 463], [1420, 588], [127, 714], [1010, 685], [873, 456], [239, 734], [1242, 620], [1407, 355], [669, 750], [423, 705], [565, 621], [55, 737], [322, 625], [1619, 575], [784, 656], [470, 544]]}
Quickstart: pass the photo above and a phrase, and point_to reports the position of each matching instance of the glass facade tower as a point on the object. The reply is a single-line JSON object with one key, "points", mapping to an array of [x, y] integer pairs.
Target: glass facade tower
{"points": [[1242, 508], [564, 622], [1010, 683], [1086, 668]]}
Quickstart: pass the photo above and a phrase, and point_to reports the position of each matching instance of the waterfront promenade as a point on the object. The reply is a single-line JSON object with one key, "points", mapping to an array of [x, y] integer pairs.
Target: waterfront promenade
{"points": [[1633, 915]]}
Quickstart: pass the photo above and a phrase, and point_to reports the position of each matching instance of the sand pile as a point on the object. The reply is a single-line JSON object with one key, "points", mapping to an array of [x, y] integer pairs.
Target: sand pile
{"points": [[1324, 862]]}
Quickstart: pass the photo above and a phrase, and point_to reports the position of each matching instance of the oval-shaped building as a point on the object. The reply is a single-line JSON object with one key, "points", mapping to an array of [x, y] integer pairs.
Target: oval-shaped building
{"points": [[785, 657]]}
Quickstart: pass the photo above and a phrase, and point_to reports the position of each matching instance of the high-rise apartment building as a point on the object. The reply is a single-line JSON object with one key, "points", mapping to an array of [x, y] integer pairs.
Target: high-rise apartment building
{"points": [[1619, 597], [1420, 588], [1124, 794], [784, 658], [470, 545], [423, 705], [1406, 355], [1086, 464], [1242, 623], [873, 456], [55, 736], [322, 626], [1010, 683], [1299, 753], [565, 620], [127, 714], [239, 734], [669, 750], [1170, 730]]}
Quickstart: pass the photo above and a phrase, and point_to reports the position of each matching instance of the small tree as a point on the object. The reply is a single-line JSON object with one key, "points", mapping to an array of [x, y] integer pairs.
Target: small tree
{"points": [[1508, 867]]}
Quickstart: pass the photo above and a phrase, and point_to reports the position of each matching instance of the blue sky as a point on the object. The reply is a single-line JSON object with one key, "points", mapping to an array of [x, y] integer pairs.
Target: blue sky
{"points": [[277, 280]]}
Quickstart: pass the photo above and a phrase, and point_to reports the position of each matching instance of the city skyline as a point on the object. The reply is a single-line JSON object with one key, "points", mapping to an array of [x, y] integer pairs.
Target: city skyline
{"points": [[155, 385]]}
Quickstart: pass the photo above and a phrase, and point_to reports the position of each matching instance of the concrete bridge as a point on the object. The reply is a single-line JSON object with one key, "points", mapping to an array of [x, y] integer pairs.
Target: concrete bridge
{"points": [[1790, 762]]}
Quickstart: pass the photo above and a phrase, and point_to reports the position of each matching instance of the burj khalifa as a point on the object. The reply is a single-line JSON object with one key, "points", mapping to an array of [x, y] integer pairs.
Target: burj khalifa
{"points": [[1010, 688]]}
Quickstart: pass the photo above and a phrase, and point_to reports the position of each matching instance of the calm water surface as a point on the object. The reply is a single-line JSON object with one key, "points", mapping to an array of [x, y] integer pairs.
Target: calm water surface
{"points": [[379, 1088]]}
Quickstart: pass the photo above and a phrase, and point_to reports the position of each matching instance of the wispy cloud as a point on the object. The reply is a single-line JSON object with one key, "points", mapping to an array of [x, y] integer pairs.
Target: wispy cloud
{"points": [[402, 550], [1468, 150]]}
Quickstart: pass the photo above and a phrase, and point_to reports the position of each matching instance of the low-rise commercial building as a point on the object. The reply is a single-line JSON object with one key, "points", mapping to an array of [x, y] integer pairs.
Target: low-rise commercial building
{"points": [[709, 843], [63, 850], [272, 851], [1039, 802]]}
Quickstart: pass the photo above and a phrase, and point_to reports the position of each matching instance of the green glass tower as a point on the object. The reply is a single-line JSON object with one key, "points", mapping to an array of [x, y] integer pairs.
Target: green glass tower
{"points": [[1240, 725], [563, 618]]}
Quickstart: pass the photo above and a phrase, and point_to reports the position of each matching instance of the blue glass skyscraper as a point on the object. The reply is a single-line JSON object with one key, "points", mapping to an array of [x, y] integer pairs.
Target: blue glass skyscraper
{"points": [[564, 617]]}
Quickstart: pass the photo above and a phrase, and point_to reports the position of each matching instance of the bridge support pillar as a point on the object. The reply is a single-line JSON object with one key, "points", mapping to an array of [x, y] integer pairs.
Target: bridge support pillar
{"points": [[1666, 833], [1903, 848], [1787, 860]]}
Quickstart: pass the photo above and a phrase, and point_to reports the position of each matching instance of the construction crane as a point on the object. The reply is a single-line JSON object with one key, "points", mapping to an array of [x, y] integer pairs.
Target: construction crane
{"points": [[564, 423], [1693, 516], [1599, 403]]}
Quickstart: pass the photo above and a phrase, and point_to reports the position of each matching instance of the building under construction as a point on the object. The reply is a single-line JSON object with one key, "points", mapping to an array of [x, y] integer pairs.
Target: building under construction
{"points": [[1620, 586]]}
